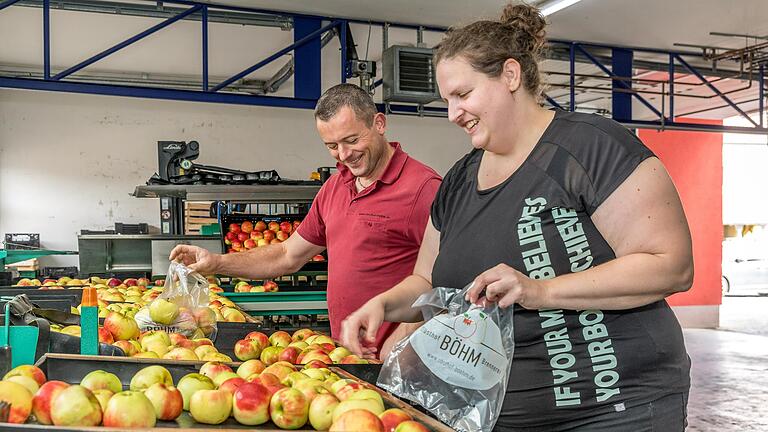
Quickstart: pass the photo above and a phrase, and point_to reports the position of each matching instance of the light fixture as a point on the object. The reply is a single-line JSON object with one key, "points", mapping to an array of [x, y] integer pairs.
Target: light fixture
{"points": [[550, 7]]}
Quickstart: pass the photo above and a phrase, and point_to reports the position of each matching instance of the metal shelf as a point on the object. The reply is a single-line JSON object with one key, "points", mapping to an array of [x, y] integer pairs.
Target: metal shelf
{"points": [[233, 193]]}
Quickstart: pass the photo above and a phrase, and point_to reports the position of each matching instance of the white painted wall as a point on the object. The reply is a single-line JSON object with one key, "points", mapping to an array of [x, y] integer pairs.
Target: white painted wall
{"points": [[69, 162]]}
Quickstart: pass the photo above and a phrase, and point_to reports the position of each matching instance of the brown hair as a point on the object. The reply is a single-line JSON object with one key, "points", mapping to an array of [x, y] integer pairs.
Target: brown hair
{"points": [[486, 45], [349, 95]]}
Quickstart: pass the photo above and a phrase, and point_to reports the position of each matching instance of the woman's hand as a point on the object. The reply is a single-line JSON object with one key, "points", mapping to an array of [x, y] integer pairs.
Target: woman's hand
{"points": [[507, 286], [358, 330]]}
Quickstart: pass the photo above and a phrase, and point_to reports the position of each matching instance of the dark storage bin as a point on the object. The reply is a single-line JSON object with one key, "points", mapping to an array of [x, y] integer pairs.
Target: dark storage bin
{"points": [[17, 241]]}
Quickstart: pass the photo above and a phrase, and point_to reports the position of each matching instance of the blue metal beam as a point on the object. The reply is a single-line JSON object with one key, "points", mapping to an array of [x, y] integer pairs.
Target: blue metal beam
{"points": [[204, 21], [714, 89], [47, 39], [7, 3], [343, 42], [621, 101], [597, 63], [274, 56], [554, 103], [671, 88], [156, 93], [307, 61], [127, 42]]}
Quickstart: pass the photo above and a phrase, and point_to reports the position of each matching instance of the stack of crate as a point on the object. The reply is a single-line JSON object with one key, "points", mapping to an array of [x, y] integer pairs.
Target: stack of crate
{"points": [[197, 214]]}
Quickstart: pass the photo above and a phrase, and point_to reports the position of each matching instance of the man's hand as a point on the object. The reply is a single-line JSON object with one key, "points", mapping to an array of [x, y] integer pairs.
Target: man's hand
{"points": [[358, 330], [197, 259]]}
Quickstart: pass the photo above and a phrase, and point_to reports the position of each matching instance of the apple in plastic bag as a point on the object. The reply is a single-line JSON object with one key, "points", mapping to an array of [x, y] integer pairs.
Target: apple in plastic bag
{"points": [[162, 311]]}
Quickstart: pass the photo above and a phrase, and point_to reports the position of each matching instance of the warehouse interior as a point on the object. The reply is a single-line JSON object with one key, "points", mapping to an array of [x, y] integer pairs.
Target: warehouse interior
{"points": [[89, 89]]}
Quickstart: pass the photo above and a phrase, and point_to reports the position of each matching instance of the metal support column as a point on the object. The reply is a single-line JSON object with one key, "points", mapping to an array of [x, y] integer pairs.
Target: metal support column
{"points": [[671, 117], [306, 60], [761, 92], [47, 39], [204, 21], [621, 100], [343, 38]]}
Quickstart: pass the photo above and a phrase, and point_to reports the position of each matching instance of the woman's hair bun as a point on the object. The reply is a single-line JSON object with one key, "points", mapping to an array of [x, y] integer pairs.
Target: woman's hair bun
{"points": [[528, 19]]}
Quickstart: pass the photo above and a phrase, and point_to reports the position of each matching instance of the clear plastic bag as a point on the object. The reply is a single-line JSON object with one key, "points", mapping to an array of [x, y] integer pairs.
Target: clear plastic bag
{"points": [[457, 364], [182, 307]]}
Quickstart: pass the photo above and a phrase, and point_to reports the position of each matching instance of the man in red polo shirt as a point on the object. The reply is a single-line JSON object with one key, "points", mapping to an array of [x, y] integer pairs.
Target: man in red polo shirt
{"points": [[370, 216]]}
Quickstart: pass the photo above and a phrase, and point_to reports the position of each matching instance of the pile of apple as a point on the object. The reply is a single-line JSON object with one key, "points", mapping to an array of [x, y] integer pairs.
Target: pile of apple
{"points": [[305, 346], [249, 235], [266, 286], [68, 282], [253, 395]]}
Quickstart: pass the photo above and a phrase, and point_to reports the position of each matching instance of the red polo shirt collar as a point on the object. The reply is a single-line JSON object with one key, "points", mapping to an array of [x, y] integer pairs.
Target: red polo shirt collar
{"points": [[391, 173]]}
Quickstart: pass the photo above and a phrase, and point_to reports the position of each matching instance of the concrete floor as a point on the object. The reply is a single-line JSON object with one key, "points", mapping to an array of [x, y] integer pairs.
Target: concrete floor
{"points": [[729, 375]]}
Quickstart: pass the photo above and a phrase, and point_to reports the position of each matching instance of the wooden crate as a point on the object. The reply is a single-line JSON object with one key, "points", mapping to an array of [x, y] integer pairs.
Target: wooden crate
{"points": [[197, 214], [29, 265]]}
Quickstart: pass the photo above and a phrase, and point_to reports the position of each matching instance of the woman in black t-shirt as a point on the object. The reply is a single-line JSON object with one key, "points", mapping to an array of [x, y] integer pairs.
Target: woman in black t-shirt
{"points": [[569, 219]]}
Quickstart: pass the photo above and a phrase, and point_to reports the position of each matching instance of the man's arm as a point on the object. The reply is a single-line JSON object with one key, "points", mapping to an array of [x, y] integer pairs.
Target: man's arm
{"points": [[260, 263]]}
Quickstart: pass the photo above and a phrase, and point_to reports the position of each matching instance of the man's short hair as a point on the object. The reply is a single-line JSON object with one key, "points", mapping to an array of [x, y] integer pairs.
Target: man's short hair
{"points": [[349, 95]]}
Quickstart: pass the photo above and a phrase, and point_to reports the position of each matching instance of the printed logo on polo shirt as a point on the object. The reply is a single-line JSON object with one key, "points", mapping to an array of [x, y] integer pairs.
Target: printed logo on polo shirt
{"points": [[564, 365]]}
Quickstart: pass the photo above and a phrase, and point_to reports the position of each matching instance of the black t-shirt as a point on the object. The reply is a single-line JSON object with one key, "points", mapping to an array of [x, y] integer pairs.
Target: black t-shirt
{"points": [[567, 364]]}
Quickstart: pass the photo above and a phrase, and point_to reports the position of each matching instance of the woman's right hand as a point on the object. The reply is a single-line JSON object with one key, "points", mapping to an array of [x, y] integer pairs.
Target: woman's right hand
{"points": [[358, 330], [196, 258]]}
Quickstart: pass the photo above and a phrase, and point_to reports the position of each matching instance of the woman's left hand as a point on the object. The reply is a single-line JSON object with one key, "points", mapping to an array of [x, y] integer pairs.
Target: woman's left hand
{"points": [[506, 286]]}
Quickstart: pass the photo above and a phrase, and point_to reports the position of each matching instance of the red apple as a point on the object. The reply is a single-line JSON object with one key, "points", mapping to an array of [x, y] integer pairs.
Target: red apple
{"points": [[121, 327], [289, 409], [271, 286], [392, 417], [286, 227], [192, 383], [262, 242], [302, 334], [357, 420], [249, 244], [210, 406], [280, 338], [231, 236], [113, 282], [260, 337], [270, 355], [175, 338], [41, 402], [411, 426], [243, 236], [105, 336], [126, 346], [76, 406], [212, 368], [268, 235], [246, 226], [353, 359], [282, 236], [246, 349], [296, 224], [232, 384], [237, 246], [149, 375], [321, 411], [130, 282], [268, 380], [260, 226], [19, 399], [29, 371], [279, 370], [180, 353], [166, 400], [273, 226], [315, 355], [318, 258], [255, 235], [289, 354], [100, 379], [234, 227], [250, 404], [251, 367], [314, 364], [129, 409]]}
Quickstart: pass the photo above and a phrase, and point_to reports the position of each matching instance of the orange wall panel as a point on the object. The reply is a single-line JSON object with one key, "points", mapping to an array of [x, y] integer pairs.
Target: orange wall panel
{"points": [[694, 160]]}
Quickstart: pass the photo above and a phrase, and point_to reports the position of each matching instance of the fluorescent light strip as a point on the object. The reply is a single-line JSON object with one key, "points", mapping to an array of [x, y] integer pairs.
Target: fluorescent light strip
{"points": [[551, 7]]}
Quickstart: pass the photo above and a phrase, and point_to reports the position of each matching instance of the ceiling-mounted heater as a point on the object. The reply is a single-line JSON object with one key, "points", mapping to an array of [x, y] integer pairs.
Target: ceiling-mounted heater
{"points": [[409, 75]]}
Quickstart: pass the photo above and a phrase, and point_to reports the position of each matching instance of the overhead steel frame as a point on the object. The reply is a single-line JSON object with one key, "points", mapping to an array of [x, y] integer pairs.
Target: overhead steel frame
{"points": [[308, 30], [622, 91]]}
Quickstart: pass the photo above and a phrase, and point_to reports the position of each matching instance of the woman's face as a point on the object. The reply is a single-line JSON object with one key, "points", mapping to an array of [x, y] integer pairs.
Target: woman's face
{"points": [[478, 104]]}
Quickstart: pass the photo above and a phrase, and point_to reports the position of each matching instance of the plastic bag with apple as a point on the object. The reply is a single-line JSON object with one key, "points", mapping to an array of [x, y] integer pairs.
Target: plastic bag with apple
{"points": [[182, 307], [457, 364]]}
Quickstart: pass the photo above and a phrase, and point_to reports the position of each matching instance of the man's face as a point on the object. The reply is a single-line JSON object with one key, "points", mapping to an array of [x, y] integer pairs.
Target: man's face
{"points": [[350, 141]]}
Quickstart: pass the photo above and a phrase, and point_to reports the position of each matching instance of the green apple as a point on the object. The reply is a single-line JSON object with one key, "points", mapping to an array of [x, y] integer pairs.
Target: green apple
{"points": [[162, 311], [191, 383]]}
